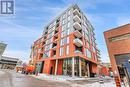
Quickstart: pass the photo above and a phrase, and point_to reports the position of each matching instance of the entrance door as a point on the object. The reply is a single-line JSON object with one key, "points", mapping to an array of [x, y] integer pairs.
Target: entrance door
{"points": [[51, 71], [39, 66]]}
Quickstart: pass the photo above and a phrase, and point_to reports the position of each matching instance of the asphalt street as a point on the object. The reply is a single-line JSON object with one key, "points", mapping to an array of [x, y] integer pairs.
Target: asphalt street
{"points": [[9, 78]]}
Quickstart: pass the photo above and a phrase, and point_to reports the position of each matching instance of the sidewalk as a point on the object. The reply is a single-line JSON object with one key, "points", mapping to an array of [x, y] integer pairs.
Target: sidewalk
{"points": [[77, 81]]}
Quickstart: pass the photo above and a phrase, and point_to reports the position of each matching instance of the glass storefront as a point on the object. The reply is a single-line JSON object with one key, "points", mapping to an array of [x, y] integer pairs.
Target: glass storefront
{"points": [[67, 66], [76, 66]]}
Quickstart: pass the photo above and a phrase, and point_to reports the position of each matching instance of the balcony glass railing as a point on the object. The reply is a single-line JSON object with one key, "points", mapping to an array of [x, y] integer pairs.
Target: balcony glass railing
{"points": [[76, 18], [76, 12], [78, 34], [77, 26], [77, 51], [78, 42]]}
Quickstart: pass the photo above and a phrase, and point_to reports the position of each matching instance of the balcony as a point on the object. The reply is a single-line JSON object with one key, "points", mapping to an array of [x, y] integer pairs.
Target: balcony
{"points": [[56, 29], [77, 26], [77, 51], [76, 12], [56, 35], [77, 19], [54, 48], [78, 34], [78, 42]]}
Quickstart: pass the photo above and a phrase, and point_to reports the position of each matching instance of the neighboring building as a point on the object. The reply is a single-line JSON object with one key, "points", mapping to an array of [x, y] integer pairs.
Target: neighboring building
{"points": [[67, 46], [2, 48], [6, 62], [106, 69], [118, 44]]}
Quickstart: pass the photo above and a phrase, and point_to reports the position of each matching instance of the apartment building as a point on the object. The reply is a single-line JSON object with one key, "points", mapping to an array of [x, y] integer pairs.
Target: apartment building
{"points": [[67, 46], [118, 44]]}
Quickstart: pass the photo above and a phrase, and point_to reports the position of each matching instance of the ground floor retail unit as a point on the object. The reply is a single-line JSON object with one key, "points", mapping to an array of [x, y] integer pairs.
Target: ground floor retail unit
{"points": [[74, 66]]}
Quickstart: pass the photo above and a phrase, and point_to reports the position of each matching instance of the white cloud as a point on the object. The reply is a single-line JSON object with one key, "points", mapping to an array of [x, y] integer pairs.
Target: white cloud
{"points": [[20, 54], [123, 20], [16, 30], [12, 33]]}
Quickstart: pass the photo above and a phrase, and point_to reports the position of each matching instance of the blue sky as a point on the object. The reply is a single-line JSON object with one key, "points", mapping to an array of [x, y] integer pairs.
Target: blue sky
{"points": [[21, 30]]}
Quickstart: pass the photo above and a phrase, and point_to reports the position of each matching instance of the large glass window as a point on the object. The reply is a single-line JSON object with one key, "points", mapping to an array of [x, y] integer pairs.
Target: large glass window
{"points": [[63, 21], [67, 40], [51, 34], [46, 54], [121, 37], [48, 41], [67, 66], [76, 66], [63, 27], [64, 41], [88, 53], [65, 32], [94, 49], [68, 25], [64, 16], [48, 47], [61, 51], [68, 31], [68, 18], [67, 50], [69, 12]]}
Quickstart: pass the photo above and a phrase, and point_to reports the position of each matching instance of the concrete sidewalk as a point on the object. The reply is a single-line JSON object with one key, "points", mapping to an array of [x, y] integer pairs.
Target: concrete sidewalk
{"points": [[78, 82]]}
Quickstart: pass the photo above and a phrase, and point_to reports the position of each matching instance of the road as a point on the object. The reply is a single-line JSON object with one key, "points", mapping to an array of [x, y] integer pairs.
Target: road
{"points": [[9, 78]]}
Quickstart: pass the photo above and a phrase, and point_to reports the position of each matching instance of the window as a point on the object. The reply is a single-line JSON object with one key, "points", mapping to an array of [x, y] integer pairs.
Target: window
{"points": [[64, 41], [121, 37], [88, 44], [69, 18], [67, 50], [39, 50], [64, 16], [69, 12], [51, 34], [68, 31], [48, 41], [48, 47], [88, 53], [67, 40], [63, 27], [68, 25], [46, 54], [95, 57], [65, 32], [61, 51], [61, 42], [94, 49], [63, 22]]}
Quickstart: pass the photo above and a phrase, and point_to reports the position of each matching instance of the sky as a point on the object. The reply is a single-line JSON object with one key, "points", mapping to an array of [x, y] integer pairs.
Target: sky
{"points": [[27, 24]]}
